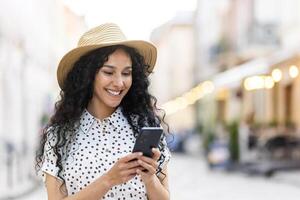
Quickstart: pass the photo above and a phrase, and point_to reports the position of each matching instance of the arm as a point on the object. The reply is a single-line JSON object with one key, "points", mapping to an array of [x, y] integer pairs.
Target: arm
{"points": [[122, 171], [95, 190], [157, 187]]}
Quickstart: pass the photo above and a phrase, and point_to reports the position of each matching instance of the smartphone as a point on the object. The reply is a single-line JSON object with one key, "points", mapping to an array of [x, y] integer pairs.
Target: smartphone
{"points": [[147, 139]]}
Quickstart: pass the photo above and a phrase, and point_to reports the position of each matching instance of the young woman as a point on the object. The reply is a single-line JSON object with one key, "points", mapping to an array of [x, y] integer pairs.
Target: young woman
{"points": [[86, 148]]}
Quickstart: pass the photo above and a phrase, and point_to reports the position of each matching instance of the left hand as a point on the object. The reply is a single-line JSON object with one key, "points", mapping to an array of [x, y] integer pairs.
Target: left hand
{"points": [[150, 164]]}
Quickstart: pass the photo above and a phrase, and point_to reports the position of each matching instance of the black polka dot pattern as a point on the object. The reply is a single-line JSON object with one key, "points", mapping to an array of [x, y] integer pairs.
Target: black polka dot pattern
{"points": [[93, 151]]}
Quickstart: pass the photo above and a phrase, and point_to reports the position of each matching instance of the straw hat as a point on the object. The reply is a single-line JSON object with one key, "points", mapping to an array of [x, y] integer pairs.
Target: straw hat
{"points": [[102, 36]]}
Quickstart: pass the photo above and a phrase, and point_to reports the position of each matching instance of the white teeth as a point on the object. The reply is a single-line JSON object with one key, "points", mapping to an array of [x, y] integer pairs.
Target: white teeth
{"points": [[114, 92]]}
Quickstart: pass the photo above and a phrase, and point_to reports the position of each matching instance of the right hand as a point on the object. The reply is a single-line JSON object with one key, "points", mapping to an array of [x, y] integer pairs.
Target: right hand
{"points": [[124, 169]]}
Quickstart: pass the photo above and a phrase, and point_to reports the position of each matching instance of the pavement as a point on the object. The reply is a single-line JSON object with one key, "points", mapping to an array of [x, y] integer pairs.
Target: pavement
{"points": [[190, 179]]}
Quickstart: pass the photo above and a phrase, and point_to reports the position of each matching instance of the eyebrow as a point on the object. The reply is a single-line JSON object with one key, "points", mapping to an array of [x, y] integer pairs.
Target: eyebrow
{"points": [[111, 66]]}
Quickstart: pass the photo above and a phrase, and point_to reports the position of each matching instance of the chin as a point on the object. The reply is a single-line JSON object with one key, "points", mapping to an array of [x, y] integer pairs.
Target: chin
{"points": [[113, 105]]}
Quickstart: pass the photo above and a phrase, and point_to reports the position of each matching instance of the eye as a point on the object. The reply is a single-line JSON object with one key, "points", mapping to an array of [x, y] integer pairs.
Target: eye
{"points": [[127, 73], [107, 72]]}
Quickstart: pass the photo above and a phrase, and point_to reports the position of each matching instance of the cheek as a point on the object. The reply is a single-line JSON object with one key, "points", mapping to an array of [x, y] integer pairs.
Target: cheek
{"points": [[98, 88], [128, 83], [101, 81]]}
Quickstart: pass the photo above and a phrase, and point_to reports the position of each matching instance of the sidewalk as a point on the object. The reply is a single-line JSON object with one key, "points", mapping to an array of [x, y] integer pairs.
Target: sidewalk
{"points": [[190, 176], [291, 178]]}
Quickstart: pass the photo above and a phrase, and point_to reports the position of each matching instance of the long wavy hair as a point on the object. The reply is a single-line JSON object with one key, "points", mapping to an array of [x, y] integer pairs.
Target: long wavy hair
{"points": [[138, 106]]}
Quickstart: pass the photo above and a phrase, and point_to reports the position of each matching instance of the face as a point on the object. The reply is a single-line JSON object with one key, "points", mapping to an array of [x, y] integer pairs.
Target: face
{"points": [[113, 80]]}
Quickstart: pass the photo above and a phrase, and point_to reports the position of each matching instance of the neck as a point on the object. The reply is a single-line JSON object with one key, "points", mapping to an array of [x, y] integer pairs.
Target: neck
{"points": [[99, 110]]}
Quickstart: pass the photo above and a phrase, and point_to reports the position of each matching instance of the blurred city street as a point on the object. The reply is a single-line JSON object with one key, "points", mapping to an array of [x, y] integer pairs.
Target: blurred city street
{"points": [[190, 179], [227, 76]]}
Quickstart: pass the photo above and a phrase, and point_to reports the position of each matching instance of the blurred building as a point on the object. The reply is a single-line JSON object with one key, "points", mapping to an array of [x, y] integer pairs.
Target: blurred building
{"points": [[239, 54], [33, 37], [174, 71]]}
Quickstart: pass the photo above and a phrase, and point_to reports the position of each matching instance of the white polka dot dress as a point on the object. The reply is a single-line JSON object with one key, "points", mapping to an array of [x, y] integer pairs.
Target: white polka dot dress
{"points": [[94, 149]]}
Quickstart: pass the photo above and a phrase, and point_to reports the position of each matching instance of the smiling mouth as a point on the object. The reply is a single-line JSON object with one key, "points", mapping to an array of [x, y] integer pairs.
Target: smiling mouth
{"points": [[113, 92]]}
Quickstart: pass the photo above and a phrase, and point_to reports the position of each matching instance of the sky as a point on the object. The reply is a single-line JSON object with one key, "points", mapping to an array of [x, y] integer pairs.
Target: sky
{"points": [[137, 18]]}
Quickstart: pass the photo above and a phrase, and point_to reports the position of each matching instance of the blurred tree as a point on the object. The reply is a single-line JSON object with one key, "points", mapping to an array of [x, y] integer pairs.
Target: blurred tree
{"points": [[234, 141]]}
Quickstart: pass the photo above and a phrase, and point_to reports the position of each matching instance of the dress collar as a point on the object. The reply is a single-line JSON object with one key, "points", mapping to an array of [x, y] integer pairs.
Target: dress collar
{"points": [[116, 119]]}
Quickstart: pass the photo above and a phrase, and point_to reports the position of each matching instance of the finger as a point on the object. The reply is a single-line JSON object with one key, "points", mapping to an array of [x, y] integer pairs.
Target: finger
{"points": [[129, 177], [132, 164], [137, 167], [129, 172], [141, 168], [147, 166], [141, 173], [150, 161], [131, 157], [156, 153]]}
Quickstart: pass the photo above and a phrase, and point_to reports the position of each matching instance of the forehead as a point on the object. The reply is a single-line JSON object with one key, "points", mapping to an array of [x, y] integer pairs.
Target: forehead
{"points": [[118, 60]]}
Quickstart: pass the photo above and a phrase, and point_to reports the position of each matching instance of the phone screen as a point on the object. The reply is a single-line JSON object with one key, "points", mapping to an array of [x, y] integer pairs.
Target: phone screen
{"points": [[147, 139]]}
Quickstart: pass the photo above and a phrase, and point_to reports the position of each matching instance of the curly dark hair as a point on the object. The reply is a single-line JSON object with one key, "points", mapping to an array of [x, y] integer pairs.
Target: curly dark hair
{"points": [[78, 91]]}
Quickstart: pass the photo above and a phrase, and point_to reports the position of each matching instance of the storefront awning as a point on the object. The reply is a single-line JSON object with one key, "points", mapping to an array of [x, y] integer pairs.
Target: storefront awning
{"points": [[233, 77]]}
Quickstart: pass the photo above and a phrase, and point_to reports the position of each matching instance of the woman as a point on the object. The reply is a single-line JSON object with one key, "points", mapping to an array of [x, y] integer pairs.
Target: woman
{"points": [[86, 149]]}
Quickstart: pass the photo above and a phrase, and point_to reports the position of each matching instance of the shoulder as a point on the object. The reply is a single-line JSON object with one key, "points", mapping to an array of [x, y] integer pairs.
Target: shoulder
{"points": [[51, 134]]}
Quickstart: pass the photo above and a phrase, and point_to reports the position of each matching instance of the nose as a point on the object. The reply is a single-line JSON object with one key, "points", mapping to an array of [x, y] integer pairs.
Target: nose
{"points": [[118, 81]]}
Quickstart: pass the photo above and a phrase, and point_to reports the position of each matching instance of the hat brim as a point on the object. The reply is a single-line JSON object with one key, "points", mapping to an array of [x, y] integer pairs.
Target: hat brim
{"points": [[146, 49]]}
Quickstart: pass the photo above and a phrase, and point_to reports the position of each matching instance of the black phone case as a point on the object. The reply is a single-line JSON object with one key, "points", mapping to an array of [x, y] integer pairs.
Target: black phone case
{"points": [[147, 139]]}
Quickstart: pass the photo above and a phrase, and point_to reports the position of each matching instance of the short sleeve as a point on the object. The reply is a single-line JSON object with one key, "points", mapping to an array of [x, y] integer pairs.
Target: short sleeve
{"points": [[49, 158]]}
